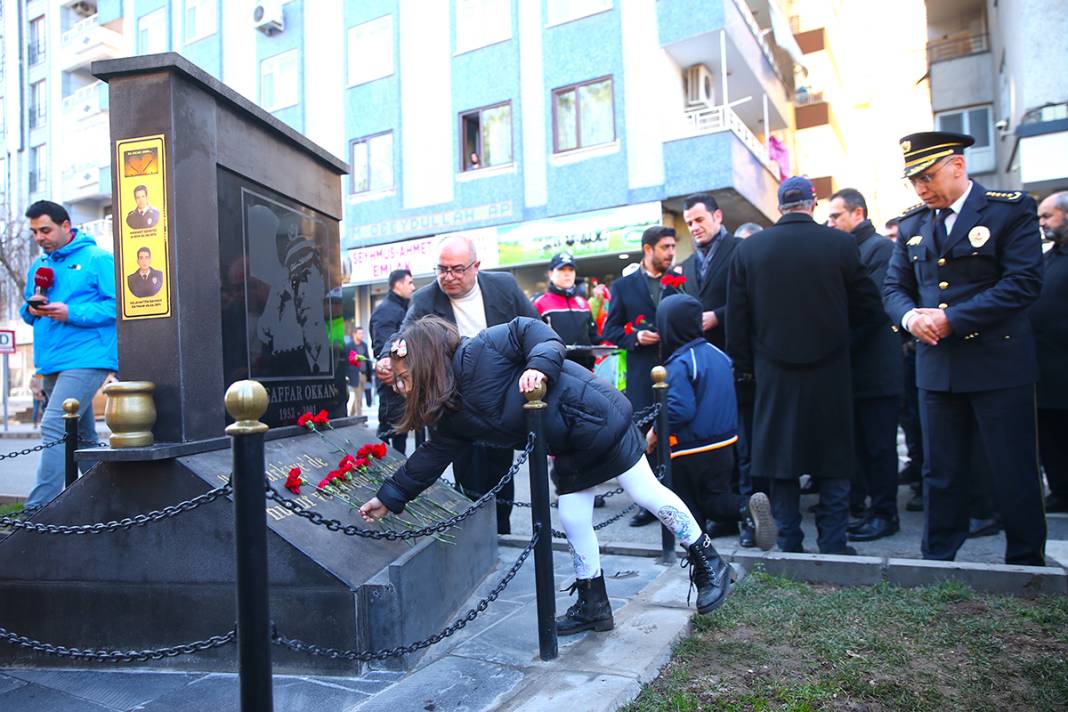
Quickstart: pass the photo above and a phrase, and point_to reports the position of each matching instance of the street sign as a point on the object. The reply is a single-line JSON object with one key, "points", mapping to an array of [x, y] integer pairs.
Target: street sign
{"points": [[7, 341]]}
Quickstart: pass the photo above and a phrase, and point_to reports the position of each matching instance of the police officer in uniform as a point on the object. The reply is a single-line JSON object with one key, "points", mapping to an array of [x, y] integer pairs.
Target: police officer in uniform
{"points": [[966, 267]]}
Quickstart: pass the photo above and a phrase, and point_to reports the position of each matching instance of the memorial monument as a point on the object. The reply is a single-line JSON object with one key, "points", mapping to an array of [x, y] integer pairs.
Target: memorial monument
{"points": [[228, 267]]}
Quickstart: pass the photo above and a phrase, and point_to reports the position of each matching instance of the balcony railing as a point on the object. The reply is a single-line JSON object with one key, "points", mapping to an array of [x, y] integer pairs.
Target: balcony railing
{"points": [[716, 119], [87, 41], [959, 46], [100, 230], [87, 101]]}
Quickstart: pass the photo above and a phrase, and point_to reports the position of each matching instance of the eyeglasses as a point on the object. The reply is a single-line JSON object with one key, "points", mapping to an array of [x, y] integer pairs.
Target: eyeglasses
{"points": [[458, 271], [926, 178]]}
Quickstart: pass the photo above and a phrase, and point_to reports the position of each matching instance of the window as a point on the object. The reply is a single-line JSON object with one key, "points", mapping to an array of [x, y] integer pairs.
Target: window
{"points": [[37, 40], [482, 22], [38, 104], [486, 137], [152, 32], [279, 85], [38, 169], [560, 11], [583, 115], [975, 122], [372, 163], [371, 50], [199, 19]]}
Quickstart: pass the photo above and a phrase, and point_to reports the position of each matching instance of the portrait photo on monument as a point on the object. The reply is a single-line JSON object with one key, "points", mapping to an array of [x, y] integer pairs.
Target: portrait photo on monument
{"points": [[146, 280], [143, 216]]}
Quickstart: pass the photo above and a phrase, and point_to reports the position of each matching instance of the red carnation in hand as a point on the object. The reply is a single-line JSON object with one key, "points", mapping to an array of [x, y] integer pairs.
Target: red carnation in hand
{"points": [[355, 358], [379, 450], [639, 319], [321, 418], [293, 482], [628, 328], [306, 420]]}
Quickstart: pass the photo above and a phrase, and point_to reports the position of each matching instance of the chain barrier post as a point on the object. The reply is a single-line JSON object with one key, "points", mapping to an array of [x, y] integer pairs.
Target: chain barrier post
{"points": [[246, 401], [70, 429], [663, 455], [544, 583]]}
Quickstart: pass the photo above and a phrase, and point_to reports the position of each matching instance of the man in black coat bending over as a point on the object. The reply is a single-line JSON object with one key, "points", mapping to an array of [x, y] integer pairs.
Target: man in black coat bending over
{"points": [[796, 292], [877, 383], [474, 300]]}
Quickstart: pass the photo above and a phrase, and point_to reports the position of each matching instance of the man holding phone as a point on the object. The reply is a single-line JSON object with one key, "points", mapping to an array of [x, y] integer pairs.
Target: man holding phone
{"points": [[70, 301]]}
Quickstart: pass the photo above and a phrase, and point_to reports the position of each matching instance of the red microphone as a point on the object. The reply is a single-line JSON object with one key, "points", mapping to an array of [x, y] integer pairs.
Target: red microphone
{"points": [[43, 279]]}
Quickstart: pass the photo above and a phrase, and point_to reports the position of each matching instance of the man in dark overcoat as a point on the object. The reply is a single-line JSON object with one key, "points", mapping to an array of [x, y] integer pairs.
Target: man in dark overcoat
{"points": [[797, 289], [474, 300], [1049, 318], [632, 318], [966, 267], [877, 383], [385, 322]]}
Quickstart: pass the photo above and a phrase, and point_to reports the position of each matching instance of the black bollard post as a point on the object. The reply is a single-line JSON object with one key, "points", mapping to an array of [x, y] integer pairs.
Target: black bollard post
{"points": [[663, 456], [70, 444], [544, 584], [246, 401]]}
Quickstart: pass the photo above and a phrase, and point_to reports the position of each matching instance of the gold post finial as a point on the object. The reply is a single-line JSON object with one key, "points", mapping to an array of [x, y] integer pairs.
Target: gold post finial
{"points": [[70, 408], [659, 374], [534, 397], [246, 401]]}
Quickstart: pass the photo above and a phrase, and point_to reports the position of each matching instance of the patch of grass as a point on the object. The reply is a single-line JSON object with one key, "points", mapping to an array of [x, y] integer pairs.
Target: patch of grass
{"points": [[785, 645], [7, 509]]}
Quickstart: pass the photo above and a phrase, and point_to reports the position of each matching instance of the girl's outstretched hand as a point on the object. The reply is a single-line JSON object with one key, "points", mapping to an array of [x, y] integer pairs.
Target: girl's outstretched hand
{"points": [[530, 380], [373, 510]]}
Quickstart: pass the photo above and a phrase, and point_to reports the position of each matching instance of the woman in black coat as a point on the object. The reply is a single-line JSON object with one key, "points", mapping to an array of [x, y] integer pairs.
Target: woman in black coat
{"points": [[466, 392]]}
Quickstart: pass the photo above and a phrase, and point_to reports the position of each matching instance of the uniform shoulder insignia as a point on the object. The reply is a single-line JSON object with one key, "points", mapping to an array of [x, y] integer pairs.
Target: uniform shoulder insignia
{"points": [[911, 211], [1006, 196]]}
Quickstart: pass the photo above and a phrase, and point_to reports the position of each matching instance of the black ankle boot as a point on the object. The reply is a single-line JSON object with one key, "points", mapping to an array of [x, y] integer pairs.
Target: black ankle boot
{"points": [[709, 573], [591, 611]]}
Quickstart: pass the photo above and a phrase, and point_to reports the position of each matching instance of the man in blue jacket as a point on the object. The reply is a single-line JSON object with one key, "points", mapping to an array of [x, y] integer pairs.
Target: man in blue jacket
{"points": [[74, 343]]}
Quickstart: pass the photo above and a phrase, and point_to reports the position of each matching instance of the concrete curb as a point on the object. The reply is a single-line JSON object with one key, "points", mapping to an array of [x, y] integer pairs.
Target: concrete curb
{"points": [[870, 570]]}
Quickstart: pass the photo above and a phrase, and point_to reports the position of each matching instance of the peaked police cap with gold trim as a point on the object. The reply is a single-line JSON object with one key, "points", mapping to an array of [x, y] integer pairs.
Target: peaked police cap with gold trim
{"points": [[923, 149]]}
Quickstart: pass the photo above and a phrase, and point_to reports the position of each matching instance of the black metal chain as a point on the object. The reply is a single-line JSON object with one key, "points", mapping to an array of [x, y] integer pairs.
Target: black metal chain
{"points": [[126, 523], [336, 525], [557, 534], [646, 415], [118, 656], [367, 656], [35, 448]]}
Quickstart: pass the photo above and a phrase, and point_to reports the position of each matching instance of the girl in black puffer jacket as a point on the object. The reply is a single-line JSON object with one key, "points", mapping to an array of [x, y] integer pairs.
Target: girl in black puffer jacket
{"points": [[472, 391]]}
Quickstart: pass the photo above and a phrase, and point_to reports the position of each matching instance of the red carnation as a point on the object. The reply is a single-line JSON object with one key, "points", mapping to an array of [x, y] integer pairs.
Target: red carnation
{"points": [[364, 450], [355, 358], [639, 319], [628, 328], [362, 462], [306, 419], [324, 482], [379, 450], [348, 461], [293, 482], [321, 418]]}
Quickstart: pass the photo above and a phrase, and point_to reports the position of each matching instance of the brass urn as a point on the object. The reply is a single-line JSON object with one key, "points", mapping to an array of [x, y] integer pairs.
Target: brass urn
{"points": [[130, 413]]}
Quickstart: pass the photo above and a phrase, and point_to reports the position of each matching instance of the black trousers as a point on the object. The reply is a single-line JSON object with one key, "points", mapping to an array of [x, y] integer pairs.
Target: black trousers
{"points": [[478, 470], [748, 483], [875, 435], [390, 411], [910, 412], [703, 483], [1053, 449], [1004, 421]]}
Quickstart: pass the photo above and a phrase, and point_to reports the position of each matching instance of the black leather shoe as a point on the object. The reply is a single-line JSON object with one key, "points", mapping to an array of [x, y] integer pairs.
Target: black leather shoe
{"points": [[982, 527], [915, 503], [875, 528], [747, 537], [716, 529], [856, 523], [642, 518], [1056, 504]]}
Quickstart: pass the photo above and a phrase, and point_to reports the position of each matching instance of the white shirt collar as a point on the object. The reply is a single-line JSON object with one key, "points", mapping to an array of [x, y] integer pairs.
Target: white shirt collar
{"points": [[959, 202]]}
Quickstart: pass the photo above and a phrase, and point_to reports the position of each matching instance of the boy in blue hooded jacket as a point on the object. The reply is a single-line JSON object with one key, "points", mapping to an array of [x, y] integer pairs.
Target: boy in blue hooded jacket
{"points": [[703, 418]]}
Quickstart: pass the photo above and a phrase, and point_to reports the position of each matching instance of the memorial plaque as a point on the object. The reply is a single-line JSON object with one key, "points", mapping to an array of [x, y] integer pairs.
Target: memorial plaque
{"points": [[281, 308]]}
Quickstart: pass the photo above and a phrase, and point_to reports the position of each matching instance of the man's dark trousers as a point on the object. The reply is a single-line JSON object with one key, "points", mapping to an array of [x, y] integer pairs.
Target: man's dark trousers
{"points": [[391, 410], [1053, 449], [1004, 420], [910, 412], [832, 513], [875, 428], [479, 470]]}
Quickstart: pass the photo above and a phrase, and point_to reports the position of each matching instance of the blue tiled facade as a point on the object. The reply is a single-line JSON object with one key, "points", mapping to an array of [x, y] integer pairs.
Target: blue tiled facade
{"points": [[571, 52]]}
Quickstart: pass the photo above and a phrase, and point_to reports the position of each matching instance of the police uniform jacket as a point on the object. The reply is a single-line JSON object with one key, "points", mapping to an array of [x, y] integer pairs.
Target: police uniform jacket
{"points": [[1049, 319], [876, 349], [985, 276]]}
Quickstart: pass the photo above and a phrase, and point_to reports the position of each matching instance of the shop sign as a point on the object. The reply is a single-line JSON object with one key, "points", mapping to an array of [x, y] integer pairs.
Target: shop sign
{"points": [[432, 223], [373, 264]]}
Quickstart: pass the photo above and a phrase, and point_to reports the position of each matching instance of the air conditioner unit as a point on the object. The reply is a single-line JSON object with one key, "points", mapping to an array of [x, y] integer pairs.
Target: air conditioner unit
{"points": [[699, 86], [267, 17], [85, 9]]}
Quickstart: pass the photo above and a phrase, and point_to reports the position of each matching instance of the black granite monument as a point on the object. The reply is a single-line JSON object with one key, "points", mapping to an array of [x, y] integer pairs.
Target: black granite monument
{"points": [[245, 232]]}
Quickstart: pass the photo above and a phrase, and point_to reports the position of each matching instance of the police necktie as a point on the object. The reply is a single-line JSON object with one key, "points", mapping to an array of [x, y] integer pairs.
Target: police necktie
{"points": [[941, 234]]}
